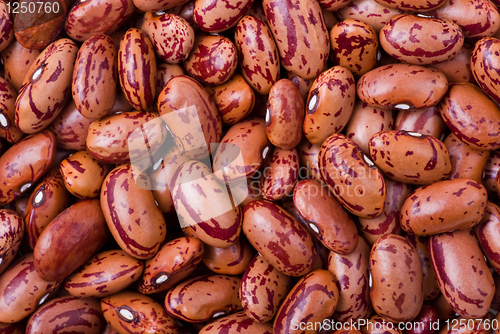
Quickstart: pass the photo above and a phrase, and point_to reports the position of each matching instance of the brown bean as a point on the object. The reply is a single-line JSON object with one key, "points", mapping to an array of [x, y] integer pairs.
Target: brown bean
{"points": [[70, 128], [11, 234], [490, 172], [304, 85], [459, 67], [304, 45], [67, 314], [94, 77], [325, 216], [354, 45], [485, 65], [410, 157], [333, 5], [388, 221], [329, 104], [466, 161], [130, 211], [431, 287], [351, 272], [204, 298], [47, 200], [6, 27], [24, 163], [239, 322], [466, 282], [90, 18], [397, 291], [421, 40], [17, 61], [121, 138], [263, 288], [235, 99], [106, 273], [376, 87], [22, 290], [366, 121], [248, 138], [312, 299], [183, 101], [136, 313], [174, 261], [219, 16], [171, 35], [8, 128], [454, 205], [471, 116], [426, 121], [280, 174], [165, 72], [477, 19], [354, 179], [257, 53], [232, 260], [83, 175], [137, 69], [369, 11], [487, 235], [218, 223], [155, 5], [308, 154], [285, 115], [70, 240], [47, 86], [279, 238]]}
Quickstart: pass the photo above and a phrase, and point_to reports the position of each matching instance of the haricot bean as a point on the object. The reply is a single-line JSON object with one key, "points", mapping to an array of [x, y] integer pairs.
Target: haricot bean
{"points": [[243, 166]]}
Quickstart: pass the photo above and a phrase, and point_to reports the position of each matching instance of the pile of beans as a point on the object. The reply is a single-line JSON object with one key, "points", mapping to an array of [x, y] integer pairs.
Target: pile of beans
{"points": [[250, 166]]}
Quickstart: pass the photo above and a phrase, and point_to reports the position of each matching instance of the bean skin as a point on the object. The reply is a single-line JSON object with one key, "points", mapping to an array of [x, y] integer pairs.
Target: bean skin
{"points": [[427, 317], [204, 298], [487, 234], [308, 154], [257, 53], [70, 240], [280, 174], [426, 121], [369, 11], [410, 157], [49, 76], [305, 49], [6, 28], [312, 299], [397, 290], [421, 40], [471, 116], [263, 288], [466, 282], [457, 68], [485, 66], [173, 262], [351, 272], [412, 6], [134, 313], [67, 314], [376, 87], [238, 323], [70, 128], [22, 290], [8, 128], [329, 104], [24, 163], [17, 61], [279, 238], [106, 273], [11, 234], [232, 260], [360, 187], [490, 173], [220, 16], [94, 77], [457, 204], [48, 199], [333, 5], [134, 220], [466, 161]]}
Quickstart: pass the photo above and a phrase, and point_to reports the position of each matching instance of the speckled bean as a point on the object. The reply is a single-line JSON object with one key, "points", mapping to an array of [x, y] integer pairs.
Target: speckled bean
{"points": [[397, 291], [11, 234], [488, 236], [467, 162], [8, 128], [204, 298], [412, 6], [173, 262], [280, 174], [239, 323], [490, 172], [232, 260], [308, 154], [455, 205], [485, 66], [370, 12], [329, 104], [465, 281], [17, 61], [354, 179], [279, 238], [459, 67], [219, 16], [426, 121], [70, 128]]}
